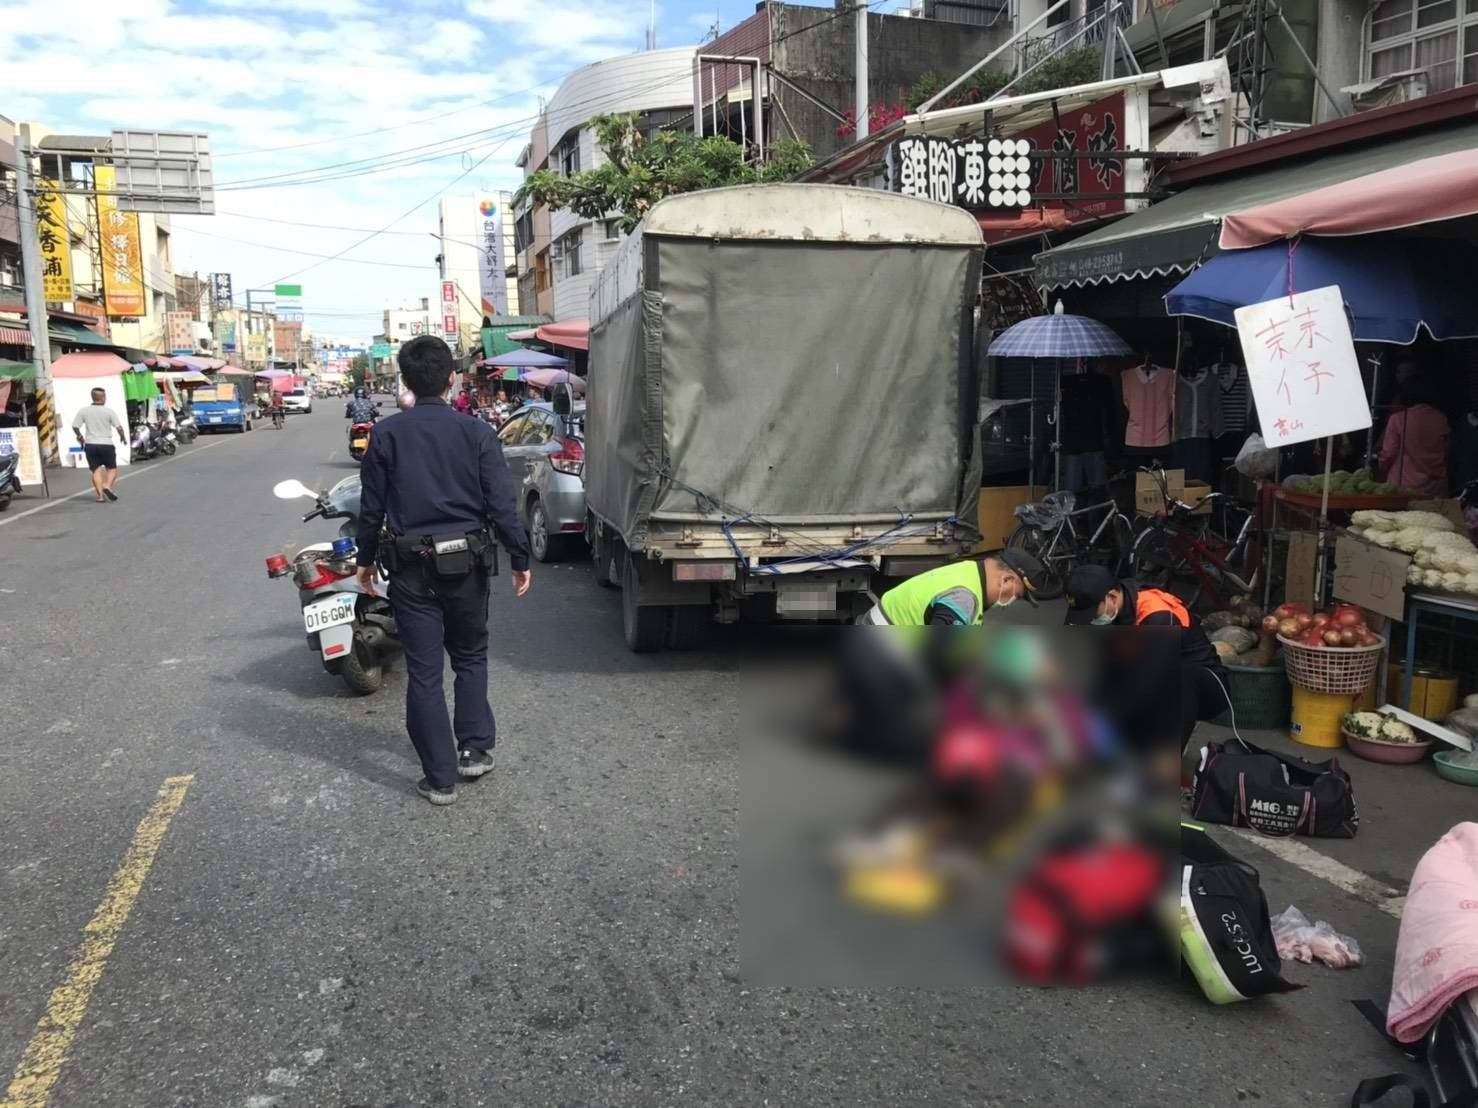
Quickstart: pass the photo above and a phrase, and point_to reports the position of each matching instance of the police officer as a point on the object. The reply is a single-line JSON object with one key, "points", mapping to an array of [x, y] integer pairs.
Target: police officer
{"points": [[438, 486]]}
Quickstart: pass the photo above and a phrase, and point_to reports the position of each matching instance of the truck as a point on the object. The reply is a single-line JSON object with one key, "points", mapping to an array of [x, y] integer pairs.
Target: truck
{"points": [[219, 407], [782, 406]]}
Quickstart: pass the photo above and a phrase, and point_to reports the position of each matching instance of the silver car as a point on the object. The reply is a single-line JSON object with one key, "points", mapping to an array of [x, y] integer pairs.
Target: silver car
{"points": [[546, 454]]}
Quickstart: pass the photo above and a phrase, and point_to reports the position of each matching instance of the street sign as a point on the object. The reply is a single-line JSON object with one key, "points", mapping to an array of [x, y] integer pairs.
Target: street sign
{"points": [[492, 282], [289, 308], [55, 241], [220, 290], [163, 171], [1302, 367], [380, 351]]}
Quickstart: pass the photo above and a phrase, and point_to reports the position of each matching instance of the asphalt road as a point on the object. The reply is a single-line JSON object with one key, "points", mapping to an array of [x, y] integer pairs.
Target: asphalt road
{"points": [[312, 933]]}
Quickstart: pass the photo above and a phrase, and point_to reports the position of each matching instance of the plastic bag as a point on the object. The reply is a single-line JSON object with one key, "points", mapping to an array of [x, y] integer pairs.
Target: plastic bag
{"points": [[1302, 941], [1048, 512], [1255, 459]]}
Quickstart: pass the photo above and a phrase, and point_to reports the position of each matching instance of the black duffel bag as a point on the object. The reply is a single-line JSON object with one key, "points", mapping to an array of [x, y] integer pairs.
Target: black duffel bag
{"points": [[1243, 785]]}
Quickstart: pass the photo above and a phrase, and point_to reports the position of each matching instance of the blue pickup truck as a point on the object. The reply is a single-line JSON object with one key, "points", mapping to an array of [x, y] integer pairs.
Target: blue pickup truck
{"points": [[219, 407]]}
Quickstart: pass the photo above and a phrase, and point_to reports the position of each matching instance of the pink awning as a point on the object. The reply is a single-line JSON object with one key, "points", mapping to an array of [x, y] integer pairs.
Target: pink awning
{"points": [[523, 336], [573, 334], [16, 336], [1424, 191], [98, 364]]}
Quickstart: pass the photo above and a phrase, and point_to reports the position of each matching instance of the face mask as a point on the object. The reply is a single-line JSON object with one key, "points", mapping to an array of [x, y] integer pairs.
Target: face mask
{"points": [[1004, 601], [1102, 621]]}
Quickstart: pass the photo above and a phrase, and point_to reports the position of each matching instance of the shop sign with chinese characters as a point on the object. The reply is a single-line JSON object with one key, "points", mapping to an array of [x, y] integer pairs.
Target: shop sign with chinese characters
{"points": [[55, 242], [965, 171], [123, 257], [1302, 367]]}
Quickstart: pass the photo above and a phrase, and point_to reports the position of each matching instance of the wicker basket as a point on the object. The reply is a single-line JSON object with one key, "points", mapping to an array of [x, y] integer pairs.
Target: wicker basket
{"points": [[1260, 696], [1331, 669]]}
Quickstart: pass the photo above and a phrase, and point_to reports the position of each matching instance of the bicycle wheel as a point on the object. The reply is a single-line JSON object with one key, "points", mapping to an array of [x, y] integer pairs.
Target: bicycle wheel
{"points": [[1052, 549], [1118, 546], [1152, 558]]}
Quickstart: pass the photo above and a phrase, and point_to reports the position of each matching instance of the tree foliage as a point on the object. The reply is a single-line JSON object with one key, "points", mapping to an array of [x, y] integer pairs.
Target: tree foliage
{"points": [[1072, 67], [640, 170]]}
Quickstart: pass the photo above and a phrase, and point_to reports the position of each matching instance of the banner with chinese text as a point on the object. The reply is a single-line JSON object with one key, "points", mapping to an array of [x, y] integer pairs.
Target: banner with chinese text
{"points": [[123, 257], [492, 282], [55, 241]]}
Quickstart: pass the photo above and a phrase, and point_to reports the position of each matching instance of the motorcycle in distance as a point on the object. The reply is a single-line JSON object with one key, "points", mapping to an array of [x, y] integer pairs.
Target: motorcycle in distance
{"points": [[352, 629], [10, 482], [279, 416], [185, 426], [150, 441], [359, 436]]}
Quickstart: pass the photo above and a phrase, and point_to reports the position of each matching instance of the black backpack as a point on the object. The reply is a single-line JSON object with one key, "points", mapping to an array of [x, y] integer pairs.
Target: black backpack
{"points": [[1243, 785]]}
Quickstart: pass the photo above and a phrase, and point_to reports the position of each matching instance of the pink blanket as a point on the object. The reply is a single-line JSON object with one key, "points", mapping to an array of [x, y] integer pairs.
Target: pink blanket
{"points": [[1437, 950]]}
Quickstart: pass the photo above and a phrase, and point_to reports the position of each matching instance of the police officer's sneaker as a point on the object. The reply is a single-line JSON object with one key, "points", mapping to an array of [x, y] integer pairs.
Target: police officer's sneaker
{"points": [[437, 796], [472, 764]]}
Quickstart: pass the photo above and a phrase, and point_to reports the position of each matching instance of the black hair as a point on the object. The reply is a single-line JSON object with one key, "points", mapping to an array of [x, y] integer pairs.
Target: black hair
{"points": [[1418, 390], [426, 365], [94, 392]]}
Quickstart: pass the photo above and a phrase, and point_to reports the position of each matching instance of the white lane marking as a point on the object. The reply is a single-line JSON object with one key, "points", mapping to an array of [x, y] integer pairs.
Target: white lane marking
{"points": [[88, 491], [1338, 874]]}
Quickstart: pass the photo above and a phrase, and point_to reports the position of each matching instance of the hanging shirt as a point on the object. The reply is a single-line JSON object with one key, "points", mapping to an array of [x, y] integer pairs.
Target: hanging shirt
{"points": [[1087, 406], [1149, 395], [1195, 400], [1232, 399]]}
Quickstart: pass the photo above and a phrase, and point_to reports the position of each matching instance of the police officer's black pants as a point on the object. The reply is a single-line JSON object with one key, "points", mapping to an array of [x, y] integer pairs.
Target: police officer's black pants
{"points": [[431, 614]]}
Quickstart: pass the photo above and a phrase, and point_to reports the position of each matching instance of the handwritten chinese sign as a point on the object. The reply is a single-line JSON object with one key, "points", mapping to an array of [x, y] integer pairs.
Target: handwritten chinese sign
{"points": [[123, 260], [1302, 368], [55, 241]]}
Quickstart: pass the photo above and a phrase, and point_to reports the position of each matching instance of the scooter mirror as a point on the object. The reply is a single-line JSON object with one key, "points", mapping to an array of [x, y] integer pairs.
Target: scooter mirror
{"points": [[292, 489]]}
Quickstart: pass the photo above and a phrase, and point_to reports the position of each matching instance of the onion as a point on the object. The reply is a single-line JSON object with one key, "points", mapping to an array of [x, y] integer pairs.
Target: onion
{"points": [[1282, 611], [1304, 621], [1349, 617], [1333, 638], [1348, 637], [1311, 637], [1270, 623], [1367, 637], [1321, 619], [1288, 628]]}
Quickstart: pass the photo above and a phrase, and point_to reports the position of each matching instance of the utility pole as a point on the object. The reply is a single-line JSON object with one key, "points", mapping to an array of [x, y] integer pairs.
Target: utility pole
{"points": [[35, 295], [860, 65]]}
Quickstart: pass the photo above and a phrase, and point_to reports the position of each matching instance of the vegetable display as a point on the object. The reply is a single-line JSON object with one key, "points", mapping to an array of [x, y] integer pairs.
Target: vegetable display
{"points": [[1343, 483], [1441, 556], [1342, 626], [1379, 727]]}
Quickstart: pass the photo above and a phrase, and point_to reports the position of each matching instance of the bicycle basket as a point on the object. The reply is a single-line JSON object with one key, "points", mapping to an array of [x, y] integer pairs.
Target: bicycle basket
{"points": [[1347, 670], [1048, 512]]}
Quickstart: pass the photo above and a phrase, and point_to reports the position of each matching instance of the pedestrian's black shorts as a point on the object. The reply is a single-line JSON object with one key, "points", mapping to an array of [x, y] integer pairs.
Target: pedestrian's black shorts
{"points": [[105, 456]]}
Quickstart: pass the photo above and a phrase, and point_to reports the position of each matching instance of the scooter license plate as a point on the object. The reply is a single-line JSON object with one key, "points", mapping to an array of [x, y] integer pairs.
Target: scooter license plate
{"points": [[359, 444], [329, 612]]}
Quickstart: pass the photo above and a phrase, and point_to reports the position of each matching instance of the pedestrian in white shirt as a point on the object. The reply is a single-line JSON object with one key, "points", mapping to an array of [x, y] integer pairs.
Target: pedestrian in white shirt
{"points": [[94, 427]]}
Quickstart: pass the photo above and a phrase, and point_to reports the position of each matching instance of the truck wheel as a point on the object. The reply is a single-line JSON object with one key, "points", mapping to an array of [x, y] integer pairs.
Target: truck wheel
{"points": [[361, 672], [688, 627], [645, 628], [602, 554]]}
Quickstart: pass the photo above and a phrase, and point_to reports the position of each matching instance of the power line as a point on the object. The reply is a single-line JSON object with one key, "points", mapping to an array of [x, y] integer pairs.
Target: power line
{"points": [[305, 253]]}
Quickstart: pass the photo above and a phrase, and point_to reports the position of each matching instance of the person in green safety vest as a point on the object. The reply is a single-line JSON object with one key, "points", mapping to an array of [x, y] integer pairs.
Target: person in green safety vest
{"points": [[959, 594]]}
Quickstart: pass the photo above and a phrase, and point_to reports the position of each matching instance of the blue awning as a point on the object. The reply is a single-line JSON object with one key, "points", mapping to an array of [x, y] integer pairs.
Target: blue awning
{"points": [[1393, 285]]}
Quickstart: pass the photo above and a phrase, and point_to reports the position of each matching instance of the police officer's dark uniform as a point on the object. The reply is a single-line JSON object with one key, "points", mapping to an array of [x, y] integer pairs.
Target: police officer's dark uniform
{"points": [[438, 484]]}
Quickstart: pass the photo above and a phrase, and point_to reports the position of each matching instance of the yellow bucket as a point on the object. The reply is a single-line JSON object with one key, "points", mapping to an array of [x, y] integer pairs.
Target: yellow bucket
{"points": [[1433, 692], [1317, 717]]}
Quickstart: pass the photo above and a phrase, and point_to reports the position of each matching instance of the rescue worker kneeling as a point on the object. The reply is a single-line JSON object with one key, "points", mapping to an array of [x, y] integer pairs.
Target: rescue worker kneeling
{"points": [[1139, 671]]}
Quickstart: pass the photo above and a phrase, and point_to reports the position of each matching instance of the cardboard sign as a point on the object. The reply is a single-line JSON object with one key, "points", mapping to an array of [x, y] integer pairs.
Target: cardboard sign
{"points": [[1148, 499], [1302, 367], [1303, 556], [23, 441], [1370, 576]]}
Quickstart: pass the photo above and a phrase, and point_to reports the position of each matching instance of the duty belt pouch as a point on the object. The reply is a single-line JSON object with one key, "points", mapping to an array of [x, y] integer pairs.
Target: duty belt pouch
{"points": [[451, 555]]}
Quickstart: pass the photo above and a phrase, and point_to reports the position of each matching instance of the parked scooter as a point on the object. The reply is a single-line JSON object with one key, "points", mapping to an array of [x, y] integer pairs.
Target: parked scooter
{"points": [[359, 436], [185, 426], [10, 482], [351, 628]]}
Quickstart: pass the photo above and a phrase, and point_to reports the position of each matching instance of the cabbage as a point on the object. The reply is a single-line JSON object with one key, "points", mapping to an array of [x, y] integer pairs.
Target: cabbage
{"points": [[1427, 521], [1413, 574], [1393, 730], [1366, 725]]}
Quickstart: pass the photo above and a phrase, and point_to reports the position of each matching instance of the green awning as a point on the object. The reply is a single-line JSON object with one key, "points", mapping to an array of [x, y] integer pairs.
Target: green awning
{"points": [[139, 386], [1176, 234], [17, 371], [495, 338], [74, 334]]}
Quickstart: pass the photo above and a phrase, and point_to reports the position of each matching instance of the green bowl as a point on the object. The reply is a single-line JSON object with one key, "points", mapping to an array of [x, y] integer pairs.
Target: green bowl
{"points": [[1462, 775]]}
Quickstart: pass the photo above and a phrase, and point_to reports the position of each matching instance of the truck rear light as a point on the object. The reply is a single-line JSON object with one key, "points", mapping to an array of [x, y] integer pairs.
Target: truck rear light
{"points": [[277, 565], [569, 458], [703, 571]]}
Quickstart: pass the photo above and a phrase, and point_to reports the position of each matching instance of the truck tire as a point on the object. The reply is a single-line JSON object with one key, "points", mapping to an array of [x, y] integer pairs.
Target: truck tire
{"points": [[645, 628], [602, 553], [688, 627]]}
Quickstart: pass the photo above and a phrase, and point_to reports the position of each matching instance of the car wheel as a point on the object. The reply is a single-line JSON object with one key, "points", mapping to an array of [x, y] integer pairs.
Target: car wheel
{"points": [[541, 544]]}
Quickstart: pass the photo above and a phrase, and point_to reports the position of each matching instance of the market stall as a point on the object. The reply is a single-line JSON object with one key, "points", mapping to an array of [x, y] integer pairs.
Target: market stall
{"points": [[74, 376]]}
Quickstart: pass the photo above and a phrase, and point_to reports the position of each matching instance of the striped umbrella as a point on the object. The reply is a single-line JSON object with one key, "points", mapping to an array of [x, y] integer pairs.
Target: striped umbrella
{"points": [[1058, 336]]}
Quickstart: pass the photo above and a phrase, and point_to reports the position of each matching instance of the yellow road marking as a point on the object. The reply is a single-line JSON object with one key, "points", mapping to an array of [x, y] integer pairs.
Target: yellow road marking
{"points": [[46, 1053]]}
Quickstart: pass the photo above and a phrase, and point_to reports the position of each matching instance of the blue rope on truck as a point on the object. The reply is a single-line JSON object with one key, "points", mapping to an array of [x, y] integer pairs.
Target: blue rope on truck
{"points": [[892, 535]]}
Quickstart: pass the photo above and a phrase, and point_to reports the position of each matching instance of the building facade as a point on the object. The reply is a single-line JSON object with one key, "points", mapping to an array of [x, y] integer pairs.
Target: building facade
{"points": [[559, 253]]}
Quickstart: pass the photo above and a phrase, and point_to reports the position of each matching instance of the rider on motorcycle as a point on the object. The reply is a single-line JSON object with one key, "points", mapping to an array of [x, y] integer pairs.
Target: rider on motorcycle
{"points": [[275, 410], [361, 409]]}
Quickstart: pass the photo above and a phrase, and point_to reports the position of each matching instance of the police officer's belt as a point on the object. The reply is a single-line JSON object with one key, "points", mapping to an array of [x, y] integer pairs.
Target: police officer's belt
{"points": [[449, 554]]}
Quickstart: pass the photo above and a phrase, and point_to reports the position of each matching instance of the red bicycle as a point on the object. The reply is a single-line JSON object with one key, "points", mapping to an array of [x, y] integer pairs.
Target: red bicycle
{"points": [[1181, 549]]}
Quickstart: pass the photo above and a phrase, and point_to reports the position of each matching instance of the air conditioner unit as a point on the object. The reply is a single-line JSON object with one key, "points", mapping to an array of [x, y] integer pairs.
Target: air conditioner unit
{"points": [[1382, 92]]}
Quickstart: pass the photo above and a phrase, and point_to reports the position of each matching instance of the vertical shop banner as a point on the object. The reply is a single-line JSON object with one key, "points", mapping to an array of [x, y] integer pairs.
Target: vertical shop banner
{"points": [[449, 314], [220, 290], [55, 241], [179, 333], [1302, 367], [492, 281], [123, 257]]}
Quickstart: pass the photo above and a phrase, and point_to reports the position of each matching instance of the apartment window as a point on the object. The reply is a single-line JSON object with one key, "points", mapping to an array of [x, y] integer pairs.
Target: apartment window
{"points": [[569, 260], [613, 229], [569, 156], [523, 232], [400, 326], [1431, 35], [10, 271]]}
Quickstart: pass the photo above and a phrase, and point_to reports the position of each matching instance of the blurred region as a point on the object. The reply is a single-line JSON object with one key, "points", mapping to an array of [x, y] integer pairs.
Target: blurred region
{"points": [[946, 807]]}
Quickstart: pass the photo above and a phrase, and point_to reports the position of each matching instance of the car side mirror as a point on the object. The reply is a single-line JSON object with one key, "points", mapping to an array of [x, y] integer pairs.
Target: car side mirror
{"points": [[563, 400]]}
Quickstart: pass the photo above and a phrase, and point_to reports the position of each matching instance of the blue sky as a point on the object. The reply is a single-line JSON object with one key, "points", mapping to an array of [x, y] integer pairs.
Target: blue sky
{"points": [[285, 88]]}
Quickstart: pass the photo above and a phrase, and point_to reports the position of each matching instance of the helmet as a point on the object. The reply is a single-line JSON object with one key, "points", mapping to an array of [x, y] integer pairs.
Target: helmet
{"points": [[361, 393]]}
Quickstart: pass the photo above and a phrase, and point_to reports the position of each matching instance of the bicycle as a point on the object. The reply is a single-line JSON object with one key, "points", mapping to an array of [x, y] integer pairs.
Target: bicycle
{"points": [[1179, 544], [1048, 533], [278, 418]]}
